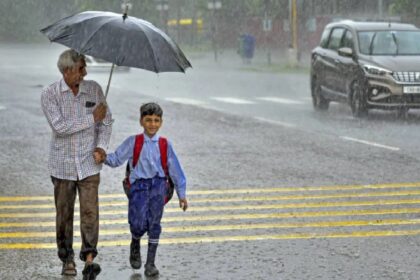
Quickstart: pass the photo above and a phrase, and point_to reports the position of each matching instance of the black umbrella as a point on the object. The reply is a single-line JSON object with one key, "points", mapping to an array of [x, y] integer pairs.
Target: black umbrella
{"points": [[120, 39]]}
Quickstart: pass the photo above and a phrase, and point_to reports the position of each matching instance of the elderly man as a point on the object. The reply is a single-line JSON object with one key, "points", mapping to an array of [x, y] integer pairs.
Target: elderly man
{"points": [[81, 125]]}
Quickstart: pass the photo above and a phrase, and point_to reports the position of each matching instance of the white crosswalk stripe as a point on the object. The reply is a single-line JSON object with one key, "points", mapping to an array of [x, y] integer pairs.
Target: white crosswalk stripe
{"points": [[285, 124], [184, 100], [233, 100], [280, 100]]}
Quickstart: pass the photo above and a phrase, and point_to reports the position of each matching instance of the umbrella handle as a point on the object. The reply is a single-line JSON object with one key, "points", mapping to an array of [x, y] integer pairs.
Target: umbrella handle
{"points": [[109, 80]]}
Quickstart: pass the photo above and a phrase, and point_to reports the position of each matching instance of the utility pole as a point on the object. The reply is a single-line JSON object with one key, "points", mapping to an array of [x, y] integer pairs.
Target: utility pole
{"points": [[178, 21], [293, 47], [163, 6], [294, 25], [267, 27], [193, 23], [214, 5], [380, 9]]}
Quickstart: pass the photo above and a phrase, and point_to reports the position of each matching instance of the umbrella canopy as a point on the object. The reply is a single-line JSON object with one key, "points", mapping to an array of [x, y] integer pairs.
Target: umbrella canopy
{"points": [[122, 40]]}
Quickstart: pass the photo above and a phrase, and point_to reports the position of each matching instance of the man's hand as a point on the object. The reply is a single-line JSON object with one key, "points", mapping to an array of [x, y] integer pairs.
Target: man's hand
{"points": [[183, 204], [100, 112], [99, 155]]}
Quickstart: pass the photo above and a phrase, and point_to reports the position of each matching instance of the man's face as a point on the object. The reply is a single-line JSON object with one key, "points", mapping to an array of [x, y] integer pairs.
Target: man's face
{"points": [[73, 76], [151, 124]]}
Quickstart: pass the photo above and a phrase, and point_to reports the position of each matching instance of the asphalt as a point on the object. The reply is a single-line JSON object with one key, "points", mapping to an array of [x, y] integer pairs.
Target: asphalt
{"points": [[265, 203]]}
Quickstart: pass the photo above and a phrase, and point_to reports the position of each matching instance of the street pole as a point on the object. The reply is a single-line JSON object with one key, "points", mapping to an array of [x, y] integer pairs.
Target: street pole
{"points": [[380, 9], [214, 31], [266, 29], [293, 47], [178, 21], [163, 7], [214, 5], [294, 25], [193, 24]]}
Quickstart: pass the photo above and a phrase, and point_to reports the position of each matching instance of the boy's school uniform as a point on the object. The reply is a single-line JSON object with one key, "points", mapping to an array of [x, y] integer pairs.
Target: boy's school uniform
{"points": [[148, 184], [149, 163]]}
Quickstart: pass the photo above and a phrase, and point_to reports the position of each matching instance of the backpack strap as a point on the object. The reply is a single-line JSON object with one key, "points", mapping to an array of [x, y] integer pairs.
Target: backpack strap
{"points": [[163, 148], [138, 145]]}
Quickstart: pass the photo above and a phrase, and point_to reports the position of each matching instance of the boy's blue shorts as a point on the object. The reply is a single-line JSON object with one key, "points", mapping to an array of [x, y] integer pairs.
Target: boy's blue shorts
{"points": [[145, 207]]}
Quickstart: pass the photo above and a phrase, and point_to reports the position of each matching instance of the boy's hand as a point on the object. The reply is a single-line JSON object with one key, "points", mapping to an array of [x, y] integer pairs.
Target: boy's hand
{"points": [[99, 155], [183, 204]]}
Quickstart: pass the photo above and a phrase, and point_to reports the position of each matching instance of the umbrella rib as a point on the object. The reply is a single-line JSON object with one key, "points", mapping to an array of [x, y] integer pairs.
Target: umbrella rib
{"points": [[150, 45], [93, 33]]}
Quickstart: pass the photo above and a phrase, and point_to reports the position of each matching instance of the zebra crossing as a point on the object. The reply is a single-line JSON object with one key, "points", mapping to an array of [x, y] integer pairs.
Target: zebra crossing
{"points": [[234, 215]]}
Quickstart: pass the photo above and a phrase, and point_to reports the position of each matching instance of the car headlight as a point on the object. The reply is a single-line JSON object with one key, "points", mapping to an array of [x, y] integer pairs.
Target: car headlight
{"points": [[375, 70]]}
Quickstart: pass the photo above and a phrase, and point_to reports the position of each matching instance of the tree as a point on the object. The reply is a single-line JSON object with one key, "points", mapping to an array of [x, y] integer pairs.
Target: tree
{"points": [[409, 8]]}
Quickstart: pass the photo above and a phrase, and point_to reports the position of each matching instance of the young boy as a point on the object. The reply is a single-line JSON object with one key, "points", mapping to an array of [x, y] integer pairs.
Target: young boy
{"points": [[148, 185]]}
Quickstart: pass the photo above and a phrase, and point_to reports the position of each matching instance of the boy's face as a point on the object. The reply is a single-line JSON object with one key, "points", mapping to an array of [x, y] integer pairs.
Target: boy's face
{"points": [[151, 124]]}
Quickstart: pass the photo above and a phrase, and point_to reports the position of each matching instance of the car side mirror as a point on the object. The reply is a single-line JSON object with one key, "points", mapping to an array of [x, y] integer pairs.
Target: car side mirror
{"points": [[345, 51]]}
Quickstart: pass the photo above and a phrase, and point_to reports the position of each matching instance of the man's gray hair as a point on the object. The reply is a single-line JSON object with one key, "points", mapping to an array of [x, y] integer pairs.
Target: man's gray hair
{"points": [[68, 59]]}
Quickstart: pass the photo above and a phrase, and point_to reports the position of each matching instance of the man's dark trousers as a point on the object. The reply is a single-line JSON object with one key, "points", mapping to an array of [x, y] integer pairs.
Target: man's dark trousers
{"points": [[65, 195]]}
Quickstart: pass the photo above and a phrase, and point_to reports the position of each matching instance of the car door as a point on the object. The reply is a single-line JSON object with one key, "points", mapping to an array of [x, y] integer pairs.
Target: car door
{"points": [[332, 62], [346, 65]]}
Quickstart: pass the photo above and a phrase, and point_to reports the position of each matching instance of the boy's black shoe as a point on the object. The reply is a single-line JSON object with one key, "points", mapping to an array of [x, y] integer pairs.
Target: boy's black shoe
{"points": [[135, 257], [69, 268], [150, 270], [91, 270]]}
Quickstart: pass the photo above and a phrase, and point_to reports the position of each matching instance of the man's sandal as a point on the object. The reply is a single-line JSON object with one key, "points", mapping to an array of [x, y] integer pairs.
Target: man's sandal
{"points": [[91, 270], [69, 268]]}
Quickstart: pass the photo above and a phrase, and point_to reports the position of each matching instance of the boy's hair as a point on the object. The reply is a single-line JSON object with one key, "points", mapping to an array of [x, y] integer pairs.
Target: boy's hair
{"points": [[150, 109]]}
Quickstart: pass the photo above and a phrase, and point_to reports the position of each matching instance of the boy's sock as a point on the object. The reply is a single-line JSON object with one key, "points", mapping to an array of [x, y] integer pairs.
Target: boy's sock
{"points": [[150, 268], [135, 257]]}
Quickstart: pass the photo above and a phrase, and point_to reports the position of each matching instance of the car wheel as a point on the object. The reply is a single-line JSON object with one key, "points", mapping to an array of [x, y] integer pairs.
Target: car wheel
{"points": [[320, 103], [358, 102]]}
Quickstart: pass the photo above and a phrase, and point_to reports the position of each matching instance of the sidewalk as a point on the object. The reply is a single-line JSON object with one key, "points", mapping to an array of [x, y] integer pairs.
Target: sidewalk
{"points": [[230, 59]]}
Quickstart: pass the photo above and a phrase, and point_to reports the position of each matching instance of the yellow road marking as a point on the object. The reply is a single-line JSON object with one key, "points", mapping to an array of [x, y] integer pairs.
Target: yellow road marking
{"points": [[364, 212], [236, 199], [239, 191], [192, 240], [304, 189], [308, 197], [234, 207], [52, 206], [174, 208], [321, 224]]}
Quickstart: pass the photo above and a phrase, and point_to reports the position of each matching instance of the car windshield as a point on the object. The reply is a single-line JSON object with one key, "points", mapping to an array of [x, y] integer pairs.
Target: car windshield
{"points": [[389, 42]]}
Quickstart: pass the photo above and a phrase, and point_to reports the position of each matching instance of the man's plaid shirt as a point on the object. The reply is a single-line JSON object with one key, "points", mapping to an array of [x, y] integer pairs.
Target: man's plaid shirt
{"points": [[74, 132]]}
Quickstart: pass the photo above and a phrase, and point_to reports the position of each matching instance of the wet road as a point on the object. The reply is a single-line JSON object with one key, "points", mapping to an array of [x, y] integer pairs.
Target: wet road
{"points": [[280, 196]]}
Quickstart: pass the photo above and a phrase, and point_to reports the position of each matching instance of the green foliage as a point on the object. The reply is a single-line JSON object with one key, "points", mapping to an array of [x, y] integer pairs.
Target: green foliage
{"points": [[407, 7], [21, 20]]}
